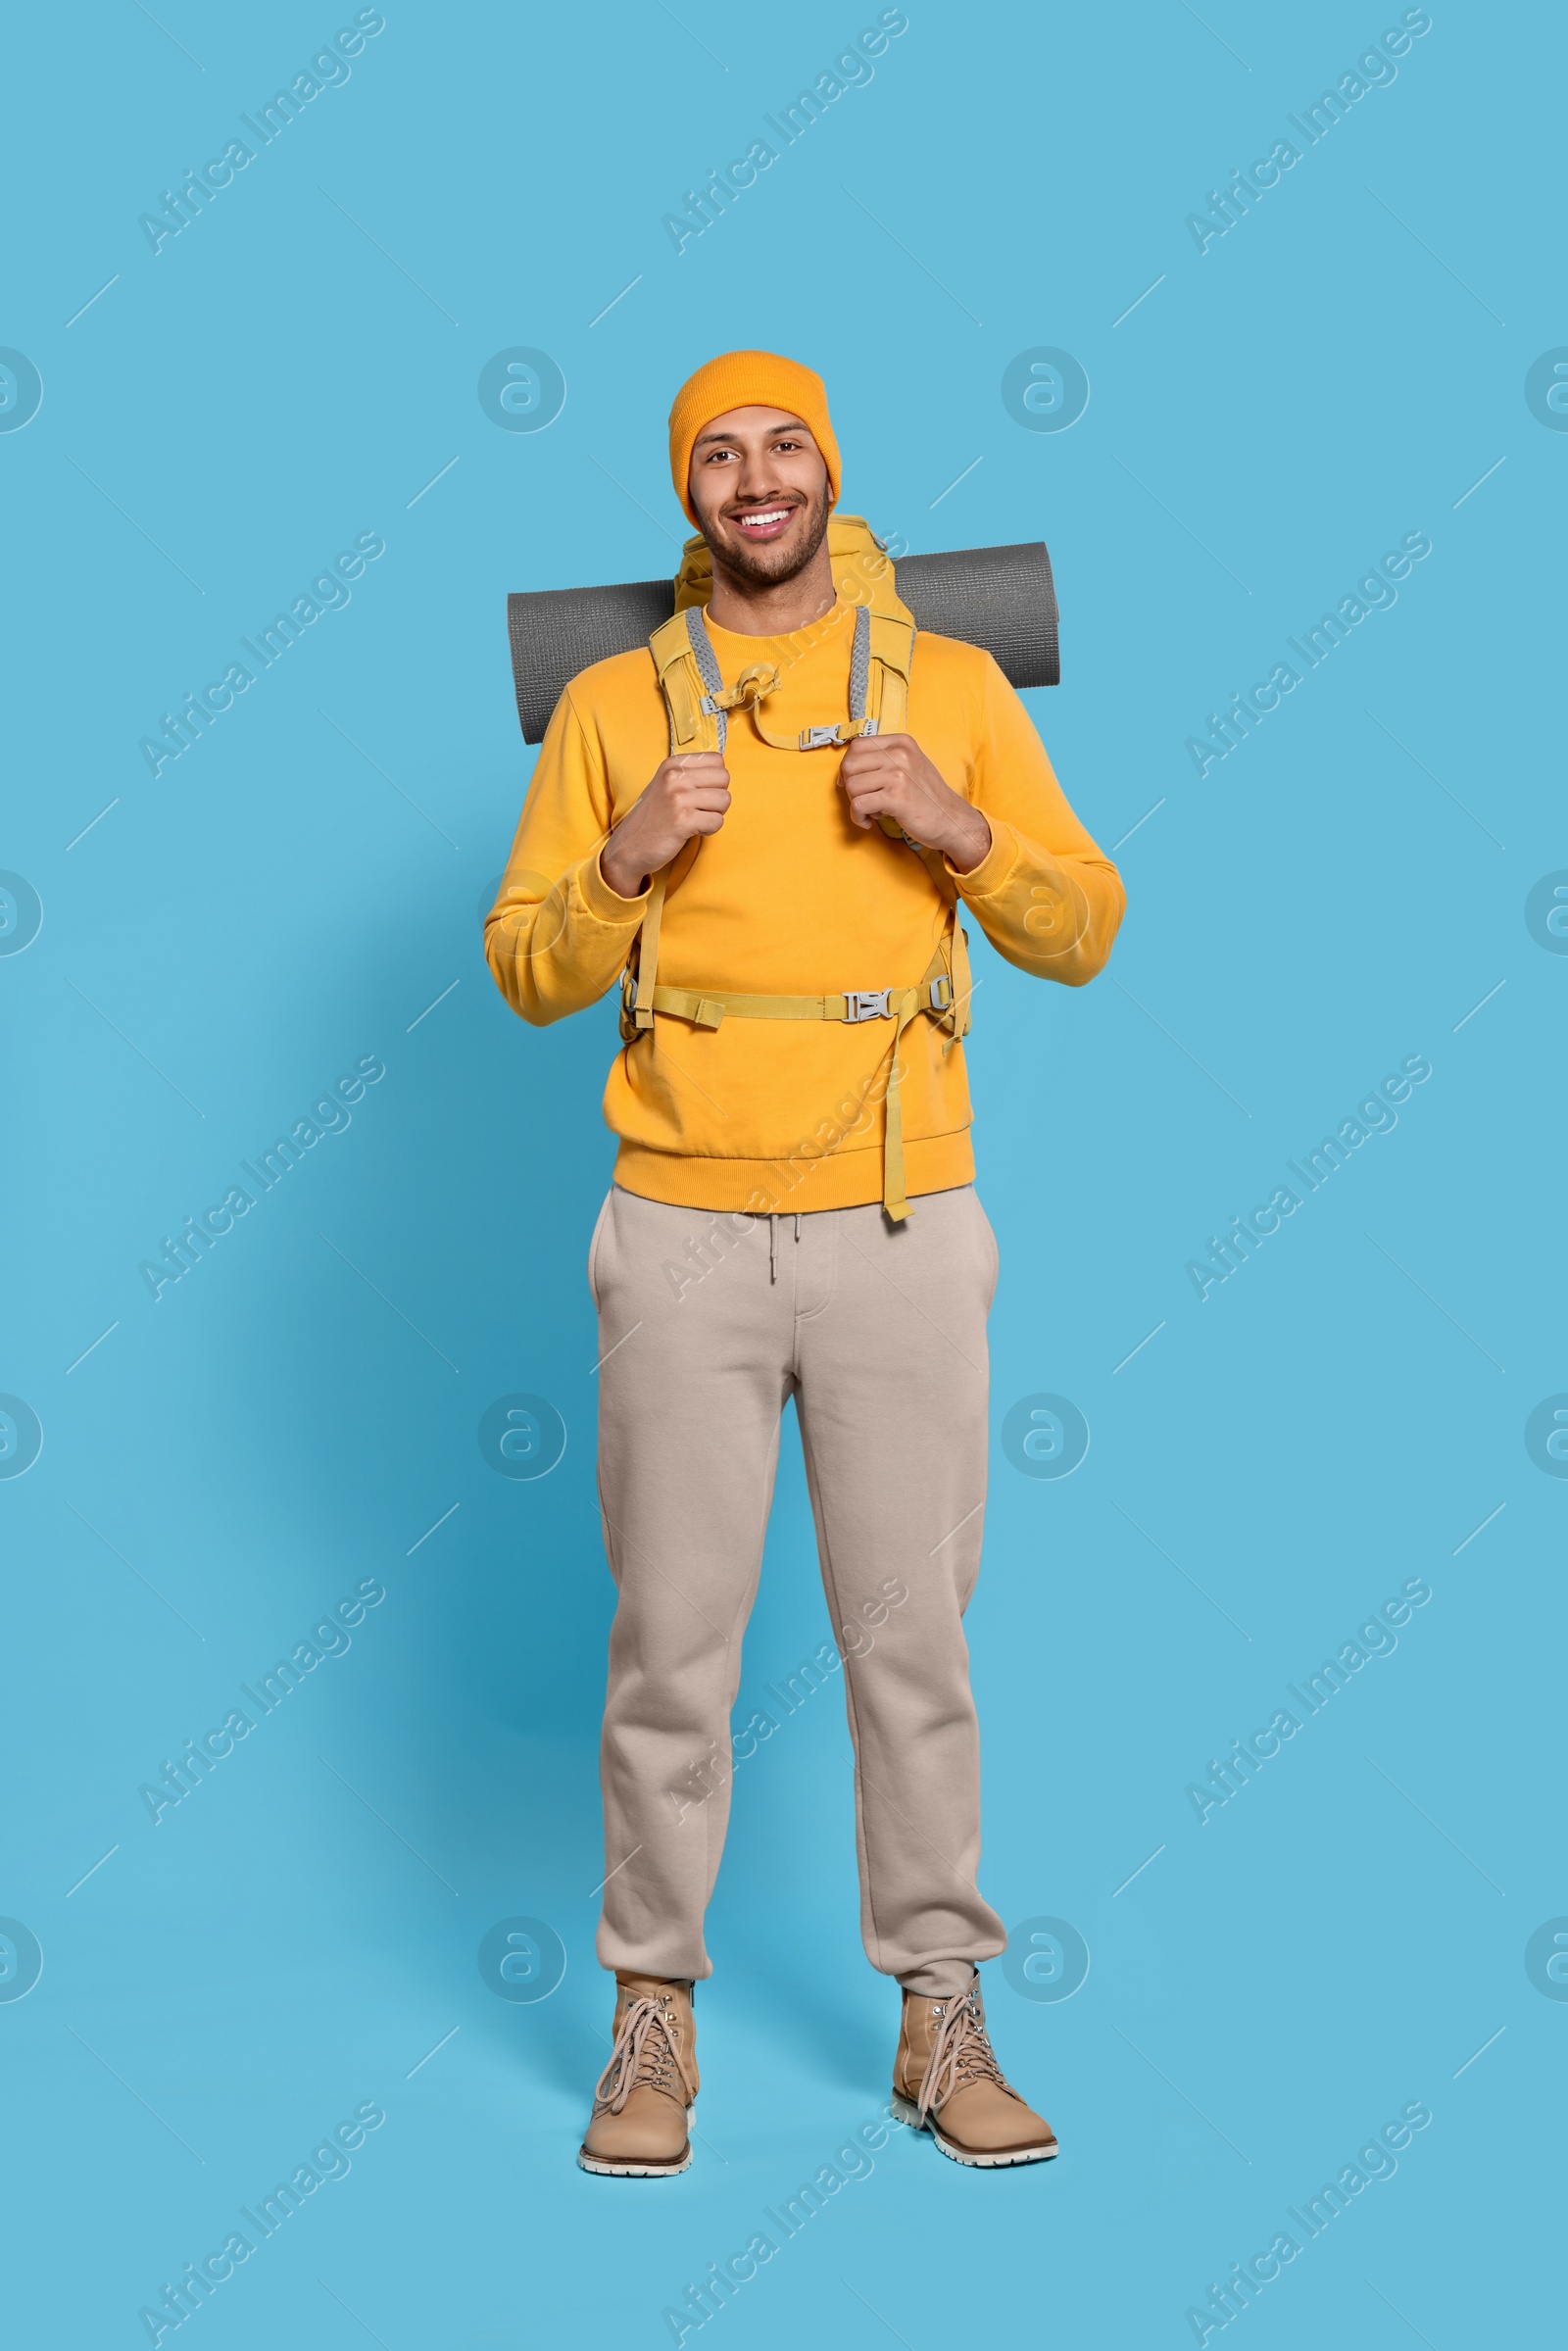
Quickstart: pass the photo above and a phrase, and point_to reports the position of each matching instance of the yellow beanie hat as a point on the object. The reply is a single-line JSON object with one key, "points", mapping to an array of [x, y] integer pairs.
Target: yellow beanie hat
{"points": [[747, 379]]}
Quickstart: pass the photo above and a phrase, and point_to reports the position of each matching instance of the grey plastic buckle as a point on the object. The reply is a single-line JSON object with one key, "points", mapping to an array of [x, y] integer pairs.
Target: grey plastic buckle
{"points": [[867, 1003], [818, 738], [941, 1002]]}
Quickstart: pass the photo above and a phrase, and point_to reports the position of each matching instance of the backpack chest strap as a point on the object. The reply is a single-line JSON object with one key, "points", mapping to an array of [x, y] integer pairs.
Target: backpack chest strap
{"points": [[699, 703]]}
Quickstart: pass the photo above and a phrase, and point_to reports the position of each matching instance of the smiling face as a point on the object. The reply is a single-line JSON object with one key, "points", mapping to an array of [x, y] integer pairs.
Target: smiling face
{"points": [[759, 486]]}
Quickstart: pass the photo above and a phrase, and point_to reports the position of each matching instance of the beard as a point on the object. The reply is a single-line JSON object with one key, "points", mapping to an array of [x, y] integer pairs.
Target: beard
{"points": [[771, 565]]}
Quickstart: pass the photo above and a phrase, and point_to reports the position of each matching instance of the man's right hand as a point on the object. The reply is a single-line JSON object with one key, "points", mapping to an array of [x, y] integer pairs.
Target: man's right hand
{"points": [[688, 796]]}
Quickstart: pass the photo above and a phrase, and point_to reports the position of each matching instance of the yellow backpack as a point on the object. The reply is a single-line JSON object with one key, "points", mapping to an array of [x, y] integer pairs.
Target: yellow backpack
{"points": [[700, 707]]}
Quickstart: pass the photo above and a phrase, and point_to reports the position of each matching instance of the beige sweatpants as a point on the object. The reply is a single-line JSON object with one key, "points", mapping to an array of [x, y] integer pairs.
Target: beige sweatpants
{"points": [[707, 1324]]}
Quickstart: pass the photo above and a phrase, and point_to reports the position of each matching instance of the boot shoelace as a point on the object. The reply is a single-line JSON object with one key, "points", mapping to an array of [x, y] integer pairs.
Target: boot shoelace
{"points": [[961, 2055], [643, 2053]]}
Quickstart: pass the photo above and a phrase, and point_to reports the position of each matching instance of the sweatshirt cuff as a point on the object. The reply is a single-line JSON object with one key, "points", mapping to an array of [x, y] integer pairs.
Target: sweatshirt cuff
{"points": [[604, 904], [994, 868]]}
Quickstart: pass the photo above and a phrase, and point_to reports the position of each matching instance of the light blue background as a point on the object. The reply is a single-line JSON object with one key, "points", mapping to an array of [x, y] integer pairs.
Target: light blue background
{"points": [[1340, 1416]]}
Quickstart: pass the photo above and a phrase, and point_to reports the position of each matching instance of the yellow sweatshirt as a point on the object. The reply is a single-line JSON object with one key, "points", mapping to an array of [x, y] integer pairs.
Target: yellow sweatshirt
{"points": [[790, 898]]}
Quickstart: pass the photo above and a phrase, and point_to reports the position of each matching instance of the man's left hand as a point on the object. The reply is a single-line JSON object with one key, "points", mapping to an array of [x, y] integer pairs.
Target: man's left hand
{"points": [[890, 776]]}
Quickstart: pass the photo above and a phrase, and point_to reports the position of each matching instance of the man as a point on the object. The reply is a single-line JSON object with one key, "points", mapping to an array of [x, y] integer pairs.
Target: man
{"points": [[793, 1209]]}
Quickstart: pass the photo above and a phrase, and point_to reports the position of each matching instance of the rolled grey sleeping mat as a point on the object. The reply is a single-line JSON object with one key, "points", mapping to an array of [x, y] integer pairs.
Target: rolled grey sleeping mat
{"points": [[1000, 598]]}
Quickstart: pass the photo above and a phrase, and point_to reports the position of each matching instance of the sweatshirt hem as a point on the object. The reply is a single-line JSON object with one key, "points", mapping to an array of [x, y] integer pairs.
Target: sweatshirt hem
{"points": [[763, 1187]]}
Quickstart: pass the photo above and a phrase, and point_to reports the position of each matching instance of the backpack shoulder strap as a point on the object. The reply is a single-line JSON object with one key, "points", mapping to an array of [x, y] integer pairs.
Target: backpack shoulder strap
{"points": [[891, 655], [879, 690], [688, 679], [682, 659], [891, 651]]}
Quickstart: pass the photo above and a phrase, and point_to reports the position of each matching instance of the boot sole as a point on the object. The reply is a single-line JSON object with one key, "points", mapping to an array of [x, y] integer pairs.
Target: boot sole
{"points": [[632, 2171], [608, 2168], [1002, 2159]]}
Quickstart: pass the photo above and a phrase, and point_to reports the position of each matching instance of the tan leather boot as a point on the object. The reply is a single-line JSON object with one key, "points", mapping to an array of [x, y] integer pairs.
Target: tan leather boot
{"points": [[644, 2098], [945, 2079]]}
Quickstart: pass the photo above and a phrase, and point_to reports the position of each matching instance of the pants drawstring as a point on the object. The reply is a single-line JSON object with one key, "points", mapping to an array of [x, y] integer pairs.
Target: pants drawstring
{"points": [[773, 1224]]}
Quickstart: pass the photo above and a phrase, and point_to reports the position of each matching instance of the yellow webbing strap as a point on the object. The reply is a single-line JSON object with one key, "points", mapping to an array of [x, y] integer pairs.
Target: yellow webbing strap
{"points": [[895, 1202], [963, 984], [708, 1007], [815, 738], [643, 1008]]}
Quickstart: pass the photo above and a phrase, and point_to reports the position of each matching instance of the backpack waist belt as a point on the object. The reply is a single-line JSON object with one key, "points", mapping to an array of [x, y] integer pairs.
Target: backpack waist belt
{"points": [[936, 993]]}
